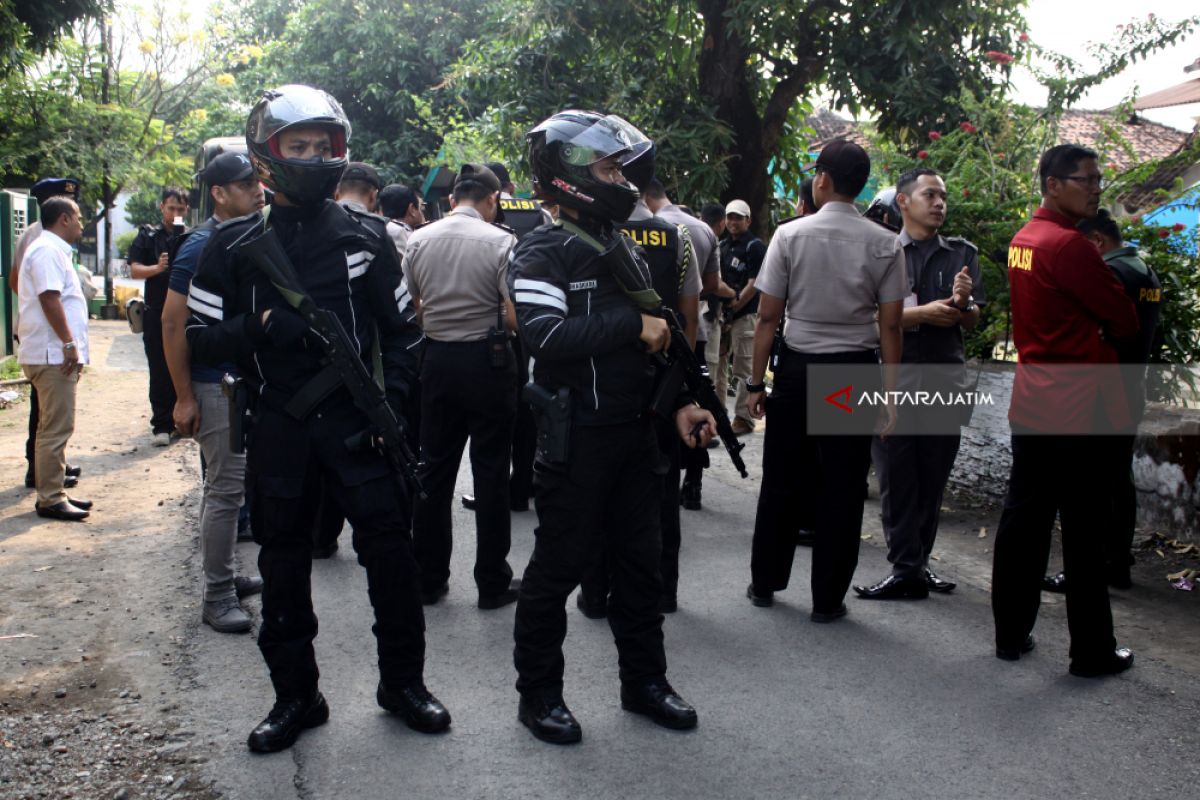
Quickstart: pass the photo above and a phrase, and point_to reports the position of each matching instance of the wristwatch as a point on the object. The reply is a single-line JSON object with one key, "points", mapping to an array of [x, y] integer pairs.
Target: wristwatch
{"points": [[970, 306], [69, 345], [756, 387]]}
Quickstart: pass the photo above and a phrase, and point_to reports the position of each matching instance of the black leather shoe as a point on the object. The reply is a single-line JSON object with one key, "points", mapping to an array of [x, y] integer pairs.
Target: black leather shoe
{"points": [[1015, 653], [592, 608], [507, 597], [1119, 661], [938, 584], [894, 587], [86, 505], [285, 723], [825, 617], [806, 538], [689, 496], [468, 502], [324, 550], [658, 701], [764, 600], [64, 511], [421, 710], [432, 596], [1055, 583], [73, 471], [549, 720]]}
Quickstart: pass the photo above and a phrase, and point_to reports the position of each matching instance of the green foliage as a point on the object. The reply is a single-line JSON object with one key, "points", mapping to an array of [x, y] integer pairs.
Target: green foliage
{"points": [[125, 240], [142, 207], [29, 29]]}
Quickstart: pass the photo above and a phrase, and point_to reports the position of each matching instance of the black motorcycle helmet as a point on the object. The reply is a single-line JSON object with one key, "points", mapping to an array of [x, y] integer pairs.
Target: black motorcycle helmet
{"points": [[305, 182], [562, 150], [884, 210], [639, 170]]}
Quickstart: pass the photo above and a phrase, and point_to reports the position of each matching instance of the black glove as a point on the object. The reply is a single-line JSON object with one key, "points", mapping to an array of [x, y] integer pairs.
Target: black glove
{"points": [[284, 327]]}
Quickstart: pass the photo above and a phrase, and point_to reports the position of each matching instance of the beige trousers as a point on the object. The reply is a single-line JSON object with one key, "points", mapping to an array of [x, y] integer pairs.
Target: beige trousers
{"points": [[56, 423]]}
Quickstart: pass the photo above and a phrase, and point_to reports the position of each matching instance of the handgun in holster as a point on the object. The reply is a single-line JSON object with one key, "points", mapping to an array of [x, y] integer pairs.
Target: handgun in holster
{"points": [[552, 413], [238, 394]]}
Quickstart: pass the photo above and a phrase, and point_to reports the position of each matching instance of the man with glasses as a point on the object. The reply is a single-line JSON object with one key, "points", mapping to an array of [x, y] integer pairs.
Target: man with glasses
{"points": [[1065, 304]]}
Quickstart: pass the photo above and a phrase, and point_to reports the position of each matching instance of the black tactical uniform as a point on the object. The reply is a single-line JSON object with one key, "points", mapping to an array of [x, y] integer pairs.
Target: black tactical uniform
{"points": [[150, 243], [307, 428], [669, 259], [523, 216], [600, 494]]}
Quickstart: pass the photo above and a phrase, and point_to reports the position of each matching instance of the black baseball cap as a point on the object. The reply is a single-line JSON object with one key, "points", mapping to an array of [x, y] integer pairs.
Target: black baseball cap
{"points": [[477, 173], [228, 168], [46, 188], [845, 159], [359, 171]]}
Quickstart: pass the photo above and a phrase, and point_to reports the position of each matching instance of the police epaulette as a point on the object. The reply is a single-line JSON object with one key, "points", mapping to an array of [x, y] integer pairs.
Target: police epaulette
{"points": [[792, 218], [967, 242], [426, 222], [354, 212], [505, 228]]}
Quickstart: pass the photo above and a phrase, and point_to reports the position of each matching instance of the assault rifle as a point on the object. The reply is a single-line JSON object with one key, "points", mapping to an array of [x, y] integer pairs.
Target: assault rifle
{"points": [[384, 433], [679, 359]]}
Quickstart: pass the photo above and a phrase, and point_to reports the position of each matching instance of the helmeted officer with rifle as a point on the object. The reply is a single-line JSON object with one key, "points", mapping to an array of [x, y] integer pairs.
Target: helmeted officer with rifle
{"points": [[300, 297], [598, 474]]}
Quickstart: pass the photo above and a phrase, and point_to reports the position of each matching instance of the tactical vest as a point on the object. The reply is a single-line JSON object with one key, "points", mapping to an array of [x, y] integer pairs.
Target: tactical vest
{"points": [[658, 241], [521, 215], [1145, 290]]}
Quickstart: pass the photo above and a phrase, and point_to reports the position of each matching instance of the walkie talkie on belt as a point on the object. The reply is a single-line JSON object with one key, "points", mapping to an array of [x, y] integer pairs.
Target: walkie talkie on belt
{"points": [[497, 341]]}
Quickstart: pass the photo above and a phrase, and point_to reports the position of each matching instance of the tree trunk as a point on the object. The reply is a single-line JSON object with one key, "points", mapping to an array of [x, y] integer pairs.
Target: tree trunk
{"points": [[725, 61]]}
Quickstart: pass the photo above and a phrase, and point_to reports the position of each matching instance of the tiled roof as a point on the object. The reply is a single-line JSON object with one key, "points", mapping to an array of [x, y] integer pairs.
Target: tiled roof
{"points": [[830, 125], [1149, 140], [1144, 195]]}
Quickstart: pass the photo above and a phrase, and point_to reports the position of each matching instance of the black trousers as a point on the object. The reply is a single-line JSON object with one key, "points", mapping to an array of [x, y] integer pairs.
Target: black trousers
{"points": [[595, 583], [329, 518], [605, 500], [463, 397], [804, 474], [1119, 538], [379, 511], [694, 460], [31, 439], [162, 391], [1065, 476], [524, 444], [912, 471]]}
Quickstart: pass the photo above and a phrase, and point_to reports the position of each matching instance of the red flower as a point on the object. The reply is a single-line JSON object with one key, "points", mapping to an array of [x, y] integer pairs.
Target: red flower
{"points": [[1179, 226], [922, 154], [966, 192], [1024, 37], [999, 57], [1113, 165], [1163, 233], [999, 155], [967, 127], [934, 136], [1135, 219]]}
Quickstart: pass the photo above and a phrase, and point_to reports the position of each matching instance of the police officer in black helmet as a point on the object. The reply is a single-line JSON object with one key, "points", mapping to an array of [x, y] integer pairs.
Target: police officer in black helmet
{"points": [[598, 474], [304, 427]]}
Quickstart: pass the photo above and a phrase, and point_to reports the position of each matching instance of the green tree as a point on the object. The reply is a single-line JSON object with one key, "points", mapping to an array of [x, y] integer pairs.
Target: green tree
{"points": [[30, 29]]}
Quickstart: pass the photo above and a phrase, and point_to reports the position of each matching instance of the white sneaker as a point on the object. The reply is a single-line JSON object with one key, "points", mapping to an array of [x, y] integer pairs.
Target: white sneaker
{"points": [[225, 616], [162, 439]]}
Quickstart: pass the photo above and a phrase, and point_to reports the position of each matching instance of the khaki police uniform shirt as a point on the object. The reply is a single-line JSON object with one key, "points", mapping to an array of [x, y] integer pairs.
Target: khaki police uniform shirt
{"points": [[704, 241], [458, 267], [834, 268]]}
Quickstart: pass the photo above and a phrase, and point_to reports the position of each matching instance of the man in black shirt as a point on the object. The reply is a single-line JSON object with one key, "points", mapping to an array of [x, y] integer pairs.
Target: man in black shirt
{"points": [[741, 257], [149, 260]]}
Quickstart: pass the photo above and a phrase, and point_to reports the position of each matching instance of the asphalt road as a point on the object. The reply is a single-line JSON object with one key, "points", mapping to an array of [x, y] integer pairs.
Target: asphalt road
{"points": [[897, 699]]}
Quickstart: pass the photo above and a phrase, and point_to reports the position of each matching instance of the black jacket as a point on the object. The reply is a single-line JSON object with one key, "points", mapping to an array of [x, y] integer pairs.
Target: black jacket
{"points": [[581, 329], [348, 266]]}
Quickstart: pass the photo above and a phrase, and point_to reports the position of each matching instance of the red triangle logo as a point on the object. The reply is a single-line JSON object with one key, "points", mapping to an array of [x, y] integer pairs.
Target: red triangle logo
{"points": [[844, 394]]}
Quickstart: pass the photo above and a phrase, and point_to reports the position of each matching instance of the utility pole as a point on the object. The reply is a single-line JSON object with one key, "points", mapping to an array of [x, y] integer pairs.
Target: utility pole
{"points": [[109, 311]]}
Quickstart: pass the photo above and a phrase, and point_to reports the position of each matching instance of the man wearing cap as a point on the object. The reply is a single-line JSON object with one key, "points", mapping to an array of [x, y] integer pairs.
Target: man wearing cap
{"points": [[457, 270], [841, 279], [358, 189], [201, 408], [149, 258], [54, 349], [741, 257], [42, 191], [405, 211]]}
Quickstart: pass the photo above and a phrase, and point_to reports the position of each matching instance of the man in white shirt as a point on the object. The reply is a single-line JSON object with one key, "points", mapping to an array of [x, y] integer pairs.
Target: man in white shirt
{"points": [[54, 348]]}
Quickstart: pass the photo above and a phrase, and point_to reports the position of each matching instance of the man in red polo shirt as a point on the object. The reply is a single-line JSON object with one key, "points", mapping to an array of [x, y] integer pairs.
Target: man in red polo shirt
{"points": [[1065, 302]]}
